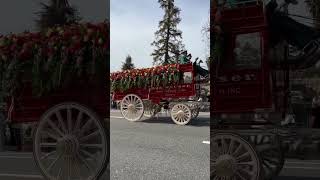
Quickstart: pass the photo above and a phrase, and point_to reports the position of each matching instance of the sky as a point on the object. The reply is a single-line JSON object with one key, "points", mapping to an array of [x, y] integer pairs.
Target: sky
{"points": [[22, 13], [133, 23]]}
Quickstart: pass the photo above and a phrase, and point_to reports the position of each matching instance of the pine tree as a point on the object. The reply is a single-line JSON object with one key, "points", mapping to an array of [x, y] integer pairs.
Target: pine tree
{"points": [[127, 65], [206, 39], [58, 12], [168, 37]]}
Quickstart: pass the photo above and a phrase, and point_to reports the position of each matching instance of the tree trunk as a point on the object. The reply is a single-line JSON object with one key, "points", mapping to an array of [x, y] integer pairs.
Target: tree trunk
{"points": [[166, 58]]}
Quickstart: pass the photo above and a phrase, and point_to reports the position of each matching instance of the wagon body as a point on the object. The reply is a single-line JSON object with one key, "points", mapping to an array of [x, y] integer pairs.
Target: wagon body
{"points": [[138, 102], [29, 108], [251, 99], [70, 119], [157, 94]]}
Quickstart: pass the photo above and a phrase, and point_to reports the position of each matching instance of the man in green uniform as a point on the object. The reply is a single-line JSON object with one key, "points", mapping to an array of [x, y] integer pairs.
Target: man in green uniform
{"points": [[184, 58]]}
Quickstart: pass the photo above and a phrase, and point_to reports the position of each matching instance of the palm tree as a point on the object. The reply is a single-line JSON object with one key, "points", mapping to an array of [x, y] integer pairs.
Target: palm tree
{"points": [[57, 12]]}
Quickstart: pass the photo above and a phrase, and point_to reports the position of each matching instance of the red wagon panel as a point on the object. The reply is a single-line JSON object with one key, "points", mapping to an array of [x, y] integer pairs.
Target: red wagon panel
{"points": [[29, 108]]}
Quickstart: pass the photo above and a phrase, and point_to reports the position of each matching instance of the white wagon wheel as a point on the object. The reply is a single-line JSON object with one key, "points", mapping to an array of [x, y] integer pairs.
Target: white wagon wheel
{"points": [[232, 157], [70, 142], [132, 107], [270, 152], [181, 114]]}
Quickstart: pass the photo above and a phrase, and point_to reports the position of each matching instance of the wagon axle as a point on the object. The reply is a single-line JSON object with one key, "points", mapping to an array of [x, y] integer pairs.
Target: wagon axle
{"points": [[68, 145], [225, 166]]}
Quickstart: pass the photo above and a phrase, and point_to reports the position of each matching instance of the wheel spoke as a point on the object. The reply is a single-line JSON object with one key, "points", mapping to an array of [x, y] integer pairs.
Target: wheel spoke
{"points": [[54, 127], [48, 155], [240, 176], [230, 146], [224, 146], [85, 126], [86, 138], [242, 156], [98, 146], [249, 163], [85, 163], [59, 173], [125, 101], [79, 118], [54, 162], [237, 150], [58, 115], [52, 135], [69, 119], [48, 144], [89, 154], [126, 113]]}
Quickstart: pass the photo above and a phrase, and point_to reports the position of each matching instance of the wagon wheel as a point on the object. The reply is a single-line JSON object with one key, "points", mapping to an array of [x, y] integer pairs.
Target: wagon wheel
{"points": [[132, 107], [232, 157], [70, 142], [270, 153], [181, 114]]}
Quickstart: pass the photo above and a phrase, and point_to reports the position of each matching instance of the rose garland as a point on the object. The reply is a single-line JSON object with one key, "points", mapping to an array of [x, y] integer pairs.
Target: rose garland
{"points": [[53, 58], [148, 77]]}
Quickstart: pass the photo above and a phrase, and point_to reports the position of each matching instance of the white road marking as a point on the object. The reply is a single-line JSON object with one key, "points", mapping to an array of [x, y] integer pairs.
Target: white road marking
{"points": [[22, 176], [117, 117], [206, 142], [204, 113]]}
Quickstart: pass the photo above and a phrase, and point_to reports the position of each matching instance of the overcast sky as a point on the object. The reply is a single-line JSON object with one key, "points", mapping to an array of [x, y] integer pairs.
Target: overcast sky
{"points": [[18, 15], [133, 23]]}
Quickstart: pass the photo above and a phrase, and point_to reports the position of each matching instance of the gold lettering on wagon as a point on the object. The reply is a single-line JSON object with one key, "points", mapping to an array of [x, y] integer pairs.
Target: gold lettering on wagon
{"points": [[229, 91]]}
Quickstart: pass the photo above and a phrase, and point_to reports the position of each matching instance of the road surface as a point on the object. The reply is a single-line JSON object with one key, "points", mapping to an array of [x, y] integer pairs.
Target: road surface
{"points": [[154, 149], [159, 149]]}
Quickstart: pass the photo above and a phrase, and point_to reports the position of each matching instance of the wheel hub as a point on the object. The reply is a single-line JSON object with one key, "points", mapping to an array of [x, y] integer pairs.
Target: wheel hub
{"points": [[68, 145], [180, 113], [225, 166], [131, 107]]}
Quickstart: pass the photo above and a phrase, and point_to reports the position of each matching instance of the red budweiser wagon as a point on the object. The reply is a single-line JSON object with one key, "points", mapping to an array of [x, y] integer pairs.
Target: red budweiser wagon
{"points": [[251, 89], [143, 92], [71, 138]]}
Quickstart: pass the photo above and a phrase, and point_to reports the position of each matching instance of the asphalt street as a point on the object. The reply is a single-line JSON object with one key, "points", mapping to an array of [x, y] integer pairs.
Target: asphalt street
{"points": [[154, 149], [159, 149]]}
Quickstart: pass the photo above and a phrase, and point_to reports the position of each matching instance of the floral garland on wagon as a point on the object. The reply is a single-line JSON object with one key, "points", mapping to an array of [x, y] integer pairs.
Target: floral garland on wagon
{"points": [[52, 58], [158, 76]]}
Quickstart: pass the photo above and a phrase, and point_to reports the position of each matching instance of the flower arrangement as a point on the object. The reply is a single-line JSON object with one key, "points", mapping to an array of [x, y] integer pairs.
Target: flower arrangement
{"points": [[52, 58], [148, 77]]}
